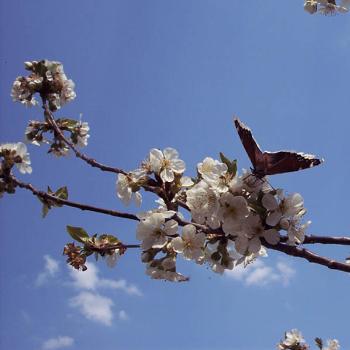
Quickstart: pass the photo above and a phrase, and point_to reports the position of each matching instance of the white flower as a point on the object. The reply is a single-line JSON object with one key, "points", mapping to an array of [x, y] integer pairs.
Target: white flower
{"points": [[19, 154], [220, 260], [236, 184], [31, 134], [296, 231], [202, 201], [248, 240], [186, 181], [166, 163], [191, 243], [253, 184], [161, 210], [310, 6], [292, 338], [67, 93], [128, 186], [21, 92], [82, 134], [211, 169], [269, 201], [153, 231], [232, 212], [332, 344], [165, 269], [290, 206], [111, 259]]}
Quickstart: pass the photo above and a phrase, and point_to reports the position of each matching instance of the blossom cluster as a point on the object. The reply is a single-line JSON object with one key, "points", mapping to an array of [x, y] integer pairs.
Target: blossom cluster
{"points": [[232, 217], [12, 154], [46, 78], [326, 7], [293, 340], [78, 134]]}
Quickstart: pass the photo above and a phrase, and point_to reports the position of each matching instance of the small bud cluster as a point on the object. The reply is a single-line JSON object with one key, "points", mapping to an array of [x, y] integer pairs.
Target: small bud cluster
{"points": [[76, 256], [293, 340], [46, 78], [326, 7], [241, 214], [12, 154], [106, 246], [77, 130]]}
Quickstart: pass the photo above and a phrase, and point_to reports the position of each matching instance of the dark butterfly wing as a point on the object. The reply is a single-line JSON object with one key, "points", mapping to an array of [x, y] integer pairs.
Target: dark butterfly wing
{"points": [[250, 145], [284, 162]]}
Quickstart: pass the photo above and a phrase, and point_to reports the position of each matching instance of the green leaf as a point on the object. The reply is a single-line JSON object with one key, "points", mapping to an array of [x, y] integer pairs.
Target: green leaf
{"points": [[231, 164], [69, 123], [45, 210], [111, 239], [78, 233], [62, 193]]}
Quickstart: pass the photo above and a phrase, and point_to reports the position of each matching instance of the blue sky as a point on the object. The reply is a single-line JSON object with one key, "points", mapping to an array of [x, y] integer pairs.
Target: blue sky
{"points": [[172, 73]]}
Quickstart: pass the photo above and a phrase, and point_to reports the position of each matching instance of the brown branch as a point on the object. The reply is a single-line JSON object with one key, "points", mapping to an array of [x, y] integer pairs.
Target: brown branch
{"points": [[315, 239], [48, 197], [50, 118], [309, 256], [312, 239]]}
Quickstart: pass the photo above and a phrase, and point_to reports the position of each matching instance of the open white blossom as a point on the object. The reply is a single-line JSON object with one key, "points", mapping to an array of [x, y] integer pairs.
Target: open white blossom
{"points": [[165, 269], [326, 7], [332, 344], [18, 152], [289, 207], [166, 163], [232, 212], [211, 169], [287, 214], [66, 92], [128, 186], [190, 244], [22, 92], [153, 231], [248, 241], [219, 262], [203, 203], [82, 131], [253, 184], [292, 338], [46, 78]]}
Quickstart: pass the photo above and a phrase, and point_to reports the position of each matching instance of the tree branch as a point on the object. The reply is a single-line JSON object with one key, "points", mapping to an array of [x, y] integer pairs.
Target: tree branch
{"points": [[50, 118], [309, 256], [48, 197]]}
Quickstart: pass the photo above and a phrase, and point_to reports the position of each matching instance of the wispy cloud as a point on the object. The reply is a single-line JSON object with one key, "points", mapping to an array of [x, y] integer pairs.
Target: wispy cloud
{"points": [[123, 315], [94, 307], [90, 303], [50, 270], [259, 274], [58, 343], [90, 280]]}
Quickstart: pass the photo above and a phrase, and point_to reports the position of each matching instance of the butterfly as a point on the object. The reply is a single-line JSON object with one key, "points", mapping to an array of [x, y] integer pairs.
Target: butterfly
{"points": [[270, 163]]}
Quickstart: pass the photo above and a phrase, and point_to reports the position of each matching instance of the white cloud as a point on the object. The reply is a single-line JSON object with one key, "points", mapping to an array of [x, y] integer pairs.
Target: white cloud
{"points": [[50, 270], [259, 274], [94, 307], [123, 315], [286, 272], [90, 303], [58, 343], [90, 280], [85, 279]]}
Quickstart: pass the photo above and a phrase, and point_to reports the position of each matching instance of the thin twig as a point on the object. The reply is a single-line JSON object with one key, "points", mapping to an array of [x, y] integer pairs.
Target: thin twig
{"points": [[50, 118], [48, 197], [309, 256]]}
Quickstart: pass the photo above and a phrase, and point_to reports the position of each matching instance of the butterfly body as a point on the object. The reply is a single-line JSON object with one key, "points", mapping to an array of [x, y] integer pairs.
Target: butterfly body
{"points": [[270, 163]]}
